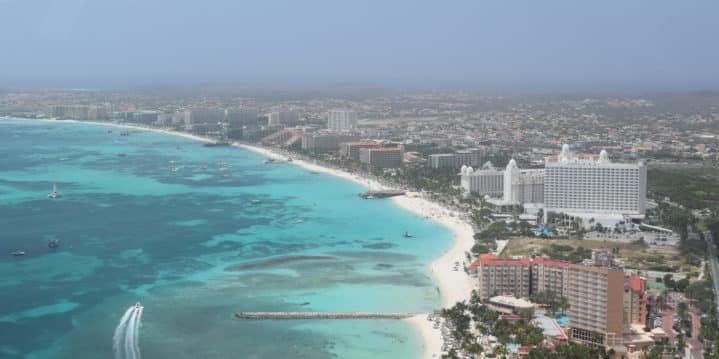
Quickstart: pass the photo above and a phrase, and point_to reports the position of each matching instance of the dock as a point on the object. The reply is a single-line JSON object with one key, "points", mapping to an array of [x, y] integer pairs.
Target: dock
{"points": [[381, 194], [321, 315]]}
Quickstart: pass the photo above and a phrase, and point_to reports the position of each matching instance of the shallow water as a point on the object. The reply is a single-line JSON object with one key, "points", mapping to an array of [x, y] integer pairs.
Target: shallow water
{"points": [[166, 221]]}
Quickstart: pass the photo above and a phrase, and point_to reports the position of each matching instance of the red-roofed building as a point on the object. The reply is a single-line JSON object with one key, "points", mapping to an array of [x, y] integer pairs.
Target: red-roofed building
{"points": [[549, 276], [503, 277], [635, 300]]}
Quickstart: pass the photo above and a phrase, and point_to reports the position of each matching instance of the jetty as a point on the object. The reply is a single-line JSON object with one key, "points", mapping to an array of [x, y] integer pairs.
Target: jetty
{"points": [[322, 315], [381, 194]]}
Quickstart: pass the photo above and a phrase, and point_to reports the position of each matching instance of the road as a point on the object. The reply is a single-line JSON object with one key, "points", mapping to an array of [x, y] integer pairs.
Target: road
{"points": [[713, 264]]}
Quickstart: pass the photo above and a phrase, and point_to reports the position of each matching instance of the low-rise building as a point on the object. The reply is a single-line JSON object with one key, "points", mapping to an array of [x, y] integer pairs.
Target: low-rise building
{"points": [[508, 304], [471, 157]]}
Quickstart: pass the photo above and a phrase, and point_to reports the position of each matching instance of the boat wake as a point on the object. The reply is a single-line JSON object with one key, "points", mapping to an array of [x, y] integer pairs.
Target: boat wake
{"points": [[125, 342]]}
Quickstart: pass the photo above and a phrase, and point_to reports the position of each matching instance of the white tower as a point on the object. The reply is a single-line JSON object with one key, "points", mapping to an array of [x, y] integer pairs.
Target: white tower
{"points": [[510, 174]]}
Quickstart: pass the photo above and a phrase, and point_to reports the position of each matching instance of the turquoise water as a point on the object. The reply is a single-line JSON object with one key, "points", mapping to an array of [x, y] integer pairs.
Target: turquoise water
{"points": [[196, 234]]}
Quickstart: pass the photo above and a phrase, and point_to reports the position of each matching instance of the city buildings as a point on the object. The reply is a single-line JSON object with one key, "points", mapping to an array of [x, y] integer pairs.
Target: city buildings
{"points": [[600, 308], [503, 276], [205, 120], [237, 118], [341, 120], [587, 187], [522, 186], [75, 112], [472, 157], [486, 181], [382, 157], [352, 149], [280, 118], [325, 142]]}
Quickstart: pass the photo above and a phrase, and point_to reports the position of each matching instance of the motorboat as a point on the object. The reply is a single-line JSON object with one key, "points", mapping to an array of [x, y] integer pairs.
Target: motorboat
{"points": [[270, 160], [53, 243], [407, 235], [18, 253], [138, 305], [55, 193], [255, 201]]}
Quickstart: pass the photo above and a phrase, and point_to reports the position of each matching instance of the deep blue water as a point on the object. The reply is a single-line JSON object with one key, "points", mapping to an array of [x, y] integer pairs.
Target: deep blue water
{"points": [[168, 222]]}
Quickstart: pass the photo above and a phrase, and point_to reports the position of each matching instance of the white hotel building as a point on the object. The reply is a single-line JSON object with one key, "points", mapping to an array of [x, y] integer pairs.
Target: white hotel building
{"points": [[594, 188], [341, 120]]}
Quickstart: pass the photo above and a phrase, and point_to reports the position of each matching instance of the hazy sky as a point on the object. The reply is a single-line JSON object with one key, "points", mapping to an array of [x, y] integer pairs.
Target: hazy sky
{"points": [[600, 45]]}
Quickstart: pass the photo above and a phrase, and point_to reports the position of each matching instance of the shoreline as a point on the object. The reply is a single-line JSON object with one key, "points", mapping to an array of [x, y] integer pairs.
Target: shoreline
{"points": [[453, 286]]}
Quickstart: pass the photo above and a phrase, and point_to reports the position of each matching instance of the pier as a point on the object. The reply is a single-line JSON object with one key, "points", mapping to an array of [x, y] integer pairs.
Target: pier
{"points": [[381, 194], [321, 315]]}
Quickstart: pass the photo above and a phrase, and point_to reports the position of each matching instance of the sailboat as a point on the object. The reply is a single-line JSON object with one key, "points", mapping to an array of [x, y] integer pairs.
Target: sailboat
{"points": [[55, 193]]}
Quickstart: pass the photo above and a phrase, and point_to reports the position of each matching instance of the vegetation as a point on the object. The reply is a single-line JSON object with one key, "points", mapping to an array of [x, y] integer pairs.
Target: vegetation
{"points": [[692, 188], [635, 254], [553, 301]]}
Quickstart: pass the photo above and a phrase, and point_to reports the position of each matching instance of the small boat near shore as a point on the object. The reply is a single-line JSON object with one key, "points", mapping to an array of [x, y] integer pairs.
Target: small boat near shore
{"points": [[53, 243], [55, 193], [17, 253]]}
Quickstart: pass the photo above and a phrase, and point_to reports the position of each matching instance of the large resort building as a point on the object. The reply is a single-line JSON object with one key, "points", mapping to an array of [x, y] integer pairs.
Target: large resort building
{"points": [[341, 120], [585, 187], [577, 185], [487, 181], [600, 309]]}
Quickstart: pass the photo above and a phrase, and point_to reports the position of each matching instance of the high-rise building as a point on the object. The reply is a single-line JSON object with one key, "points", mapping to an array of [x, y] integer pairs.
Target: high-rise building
{"points": [[279, 118], [522, 186], [596, 304], [472, 157], [205, 120], [503, 276], [596, 294], [576, 185], [341, 120], [486, 181], [550, 276], [325, 142], [237, 118], [75, 112], [382, 157], [352, 149]]}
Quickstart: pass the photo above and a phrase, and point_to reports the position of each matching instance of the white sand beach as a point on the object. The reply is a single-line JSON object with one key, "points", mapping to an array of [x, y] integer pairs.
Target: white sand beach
{"points": [[453, 285]]}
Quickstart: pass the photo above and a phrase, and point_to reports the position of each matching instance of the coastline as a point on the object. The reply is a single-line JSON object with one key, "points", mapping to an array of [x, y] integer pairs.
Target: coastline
{"points": [[453, 286]]}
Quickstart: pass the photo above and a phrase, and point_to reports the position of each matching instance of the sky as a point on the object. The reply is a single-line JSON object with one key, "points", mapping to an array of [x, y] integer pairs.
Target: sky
{"points": [[505, 45]]}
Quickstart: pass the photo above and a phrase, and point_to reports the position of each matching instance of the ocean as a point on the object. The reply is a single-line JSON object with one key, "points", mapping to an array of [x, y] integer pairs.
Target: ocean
{"points": [[196, 234]]}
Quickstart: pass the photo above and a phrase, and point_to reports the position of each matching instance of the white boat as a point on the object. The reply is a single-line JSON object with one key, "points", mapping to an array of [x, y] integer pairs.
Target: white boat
{"points": [[18, 253], [55, 193]]}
